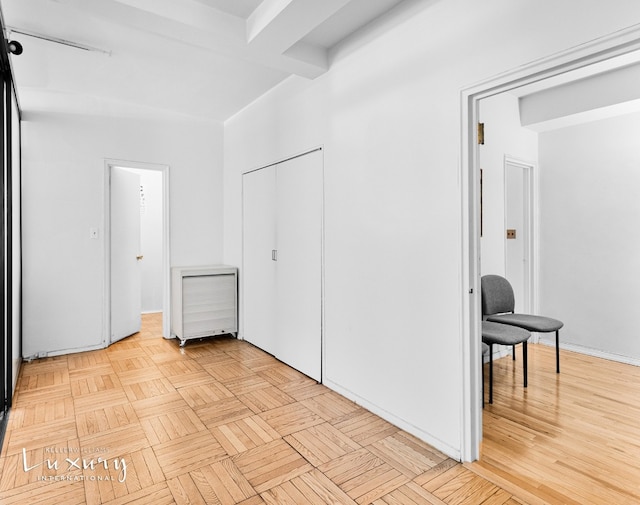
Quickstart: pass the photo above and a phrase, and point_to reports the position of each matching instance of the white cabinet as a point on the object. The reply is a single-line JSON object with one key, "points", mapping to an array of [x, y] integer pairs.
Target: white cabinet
{"points": [[282, 261], [203, 301]]}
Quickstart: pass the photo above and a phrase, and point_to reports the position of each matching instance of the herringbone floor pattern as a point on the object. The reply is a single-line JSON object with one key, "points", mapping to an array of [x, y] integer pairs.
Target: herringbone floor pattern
{"points": [[216, 422]]}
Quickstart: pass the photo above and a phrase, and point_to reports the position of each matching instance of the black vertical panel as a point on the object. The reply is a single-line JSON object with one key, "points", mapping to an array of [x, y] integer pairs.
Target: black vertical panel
{"points": [[5, 359], [6, 383], [8, 149]]}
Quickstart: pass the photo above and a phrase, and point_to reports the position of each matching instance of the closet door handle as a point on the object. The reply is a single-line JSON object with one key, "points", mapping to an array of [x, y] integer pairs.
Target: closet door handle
{"points": [[274, 254]]}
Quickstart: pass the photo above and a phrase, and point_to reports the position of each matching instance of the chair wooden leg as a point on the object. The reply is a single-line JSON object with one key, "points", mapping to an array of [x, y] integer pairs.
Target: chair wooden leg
{"points": [[490, 373], [524, 359], [557, 351]]}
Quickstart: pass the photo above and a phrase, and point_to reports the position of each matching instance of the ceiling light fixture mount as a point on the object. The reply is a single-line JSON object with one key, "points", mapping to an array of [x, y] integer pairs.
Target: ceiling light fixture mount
{"points": [[11, 30], [14, 47]]}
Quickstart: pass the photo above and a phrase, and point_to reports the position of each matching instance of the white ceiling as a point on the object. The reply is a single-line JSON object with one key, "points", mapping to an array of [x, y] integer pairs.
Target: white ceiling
{"points": [[200, 58]]}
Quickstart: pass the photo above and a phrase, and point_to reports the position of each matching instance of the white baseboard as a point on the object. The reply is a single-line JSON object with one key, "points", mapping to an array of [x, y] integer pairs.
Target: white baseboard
{"points": [[598, 353], [62, 352], [445, 448], [499, 351]]}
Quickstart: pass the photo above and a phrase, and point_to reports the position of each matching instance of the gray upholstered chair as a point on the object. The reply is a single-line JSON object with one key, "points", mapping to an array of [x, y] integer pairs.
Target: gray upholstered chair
{"points": [[498, 303], [497, 333]]}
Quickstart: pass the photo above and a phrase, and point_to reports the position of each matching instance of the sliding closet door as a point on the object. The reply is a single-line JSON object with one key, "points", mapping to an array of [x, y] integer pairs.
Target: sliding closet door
{"points": [[259, 265], [299, 274]]}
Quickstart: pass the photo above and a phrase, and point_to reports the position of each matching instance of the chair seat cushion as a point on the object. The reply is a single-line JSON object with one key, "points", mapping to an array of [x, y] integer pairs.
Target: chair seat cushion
{"points": [[496, 333], [528, 322]]}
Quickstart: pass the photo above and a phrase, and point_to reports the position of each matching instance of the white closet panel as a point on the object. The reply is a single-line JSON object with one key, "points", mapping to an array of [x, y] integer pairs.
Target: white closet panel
{"points": [[282, 261], [259, 269], [299, 287]]}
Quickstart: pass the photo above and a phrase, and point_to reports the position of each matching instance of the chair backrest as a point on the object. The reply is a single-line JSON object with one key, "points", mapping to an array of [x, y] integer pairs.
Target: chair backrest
{"points": [[497, 295]]}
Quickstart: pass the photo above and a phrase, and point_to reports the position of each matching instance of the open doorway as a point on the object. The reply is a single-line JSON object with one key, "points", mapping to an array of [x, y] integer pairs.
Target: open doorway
{"points": [[613, 51], [136, 246]]}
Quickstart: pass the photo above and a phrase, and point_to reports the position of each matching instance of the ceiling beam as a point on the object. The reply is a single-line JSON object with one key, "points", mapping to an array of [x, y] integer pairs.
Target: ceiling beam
{"points": [[195, 24], [279, 24], [192, 14], [579, 96]]}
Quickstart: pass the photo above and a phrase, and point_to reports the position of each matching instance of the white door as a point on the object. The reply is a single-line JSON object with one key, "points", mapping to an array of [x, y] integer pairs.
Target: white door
{"points": [[259, 265], [517, 217], [299, 263], [126, 298]]}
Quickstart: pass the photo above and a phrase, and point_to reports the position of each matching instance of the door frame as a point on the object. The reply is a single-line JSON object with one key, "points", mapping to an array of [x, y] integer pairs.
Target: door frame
{"points": [[109, 164], [622, 45], [529, 179]]}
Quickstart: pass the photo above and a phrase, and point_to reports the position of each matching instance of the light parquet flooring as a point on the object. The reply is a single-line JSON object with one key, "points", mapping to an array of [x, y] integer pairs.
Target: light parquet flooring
{"points": [[216, 422], [571, 438]]}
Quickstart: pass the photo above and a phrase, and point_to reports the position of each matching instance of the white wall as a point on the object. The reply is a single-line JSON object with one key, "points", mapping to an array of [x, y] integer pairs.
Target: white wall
{"points": [[63, 180], [388, 115], [151, 240], [590, 243]]}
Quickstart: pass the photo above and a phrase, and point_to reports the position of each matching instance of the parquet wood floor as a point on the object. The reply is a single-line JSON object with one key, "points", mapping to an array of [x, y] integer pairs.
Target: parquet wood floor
{"points": [[215, 422]]}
